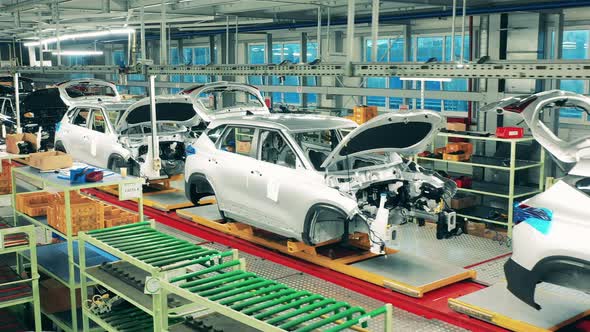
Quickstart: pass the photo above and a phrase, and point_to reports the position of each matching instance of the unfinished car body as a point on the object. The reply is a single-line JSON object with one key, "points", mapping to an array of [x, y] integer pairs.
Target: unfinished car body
{"points": [[43, 108], [318, 178], [115, 135], [222, 99], [556, 250]]}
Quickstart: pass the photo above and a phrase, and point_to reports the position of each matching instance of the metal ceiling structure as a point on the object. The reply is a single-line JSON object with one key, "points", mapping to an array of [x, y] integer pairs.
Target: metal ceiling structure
{"points": [[32, 19]]}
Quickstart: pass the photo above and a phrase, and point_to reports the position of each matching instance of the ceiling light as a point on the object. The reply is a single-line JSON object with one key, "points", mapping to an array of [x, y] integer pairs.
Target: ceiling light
{"points": [[81, 36], [73, 52]]}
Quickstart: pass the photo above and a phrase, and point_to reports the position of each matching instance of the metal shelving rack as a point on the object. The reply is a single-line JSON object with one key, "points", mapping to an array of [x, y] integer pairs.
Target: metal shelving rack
{"points": [[53, 259], [511, 192], [31, 246], [182, 278]]}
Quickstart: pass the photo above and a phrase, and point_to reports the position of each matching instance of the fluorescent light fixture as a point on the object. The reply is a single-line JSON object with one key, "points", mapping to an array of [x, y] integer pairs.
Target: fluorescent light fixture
{"points": [[74, 52], [429, 79], [81, 35]]}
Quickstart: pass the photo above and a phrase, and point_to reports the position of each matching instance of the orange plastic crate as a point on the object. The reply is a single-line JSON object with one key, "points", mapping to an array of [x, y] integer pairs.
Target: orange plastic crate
{"points": [[85, 216]]}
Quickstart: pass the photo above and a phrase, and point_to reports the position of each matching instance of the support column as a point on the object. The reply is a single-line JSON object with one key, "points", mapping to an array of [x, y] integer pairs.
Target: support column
{"points": [[303, 59], [338, 48], [374, 30], [268, 54], [407, 33]]}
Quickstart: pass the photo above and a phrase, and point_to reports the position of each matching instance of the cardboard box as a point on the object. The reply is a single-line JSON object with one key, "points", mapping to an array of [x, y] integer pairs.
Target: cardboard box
{"points": [[51, 160], [462, 201], [243, 147], [13, 139], [456, 126], [476, 228], [55, 297]]}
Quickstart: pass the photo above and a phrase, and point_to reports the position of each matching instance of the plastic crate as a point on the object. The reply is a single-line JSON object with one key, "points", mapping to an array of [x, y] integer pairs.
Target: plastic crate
{"points": [[85, 216], [33, 204], [509, 132], [114, 216]]}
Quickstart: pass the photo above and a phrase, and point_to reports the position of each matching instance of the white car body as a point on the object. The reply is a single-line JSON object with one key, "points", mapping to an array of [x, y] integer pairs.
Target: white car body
{"points": [[285, 174], [555, 251], [124, 140]]}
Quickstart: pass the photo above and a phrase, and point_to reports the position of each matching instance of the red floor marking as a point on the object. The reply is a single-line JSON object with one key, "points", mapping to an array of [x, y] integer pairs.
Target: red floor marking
{"points": [[487, 261], [432, 306]]}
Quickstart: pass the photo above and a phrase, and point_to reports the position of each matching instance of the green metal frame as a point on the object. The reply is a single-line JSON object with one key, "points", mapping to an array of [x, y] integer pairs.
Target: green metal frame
{"points": [[26, 172], [511, 196], [221, 283], [31, 246]]}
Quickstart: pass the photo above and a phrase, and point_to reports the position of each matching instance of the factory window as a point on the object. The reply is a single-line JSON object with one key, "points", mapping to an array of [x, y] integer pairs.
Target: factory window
{"points": [[388, 50], [283, 52], [575, 47], [457, 84]]}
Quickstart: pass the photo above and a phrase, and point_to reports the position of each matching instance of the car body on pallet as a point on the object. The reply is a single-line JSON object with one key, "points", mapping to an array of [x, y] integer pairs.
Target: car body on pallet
{"points": [[115, 135], [123, 139], [42, 109], [557, 250], [290, 175]]}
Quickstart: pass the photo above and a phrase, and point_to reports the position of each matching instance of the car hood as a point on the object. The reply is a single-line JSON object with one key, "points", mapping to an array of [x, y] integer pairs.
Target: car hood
{"points": [[169, 109], [207, 115], [397, 132]]}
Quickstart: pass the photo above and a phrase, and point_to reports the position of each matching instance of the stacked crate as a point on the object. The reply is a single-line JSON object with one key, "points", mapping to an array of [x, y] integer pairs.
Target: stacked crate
{"points": [[5, 180], [362, 114], [114, 216], [86, 213]]}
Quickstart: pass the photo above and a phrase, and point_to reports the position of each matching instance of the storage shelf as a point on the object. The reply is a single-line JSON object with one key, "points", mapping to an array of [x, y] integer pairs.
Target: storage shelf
{"points": [[489, 138], [121, 288], [482, 213], [64, 321], [491, 163], [42, 222], [499, 190], [53, 260]]}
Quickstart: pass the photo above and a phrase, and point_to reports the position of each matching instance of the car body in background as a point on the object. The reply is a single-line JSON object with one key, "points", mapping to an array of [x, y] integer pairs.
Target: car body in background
{"points": [[223, 99], [557, 250], [115, 135], [318, 178], [42, 109], [26, 85]]}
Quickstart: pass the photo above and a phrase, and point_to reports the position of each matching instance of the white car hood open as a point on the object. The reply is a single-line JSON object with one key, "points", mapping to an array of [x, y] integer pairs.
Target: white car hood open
{"points": [[208, 115], [169, 109], [398, 132]]}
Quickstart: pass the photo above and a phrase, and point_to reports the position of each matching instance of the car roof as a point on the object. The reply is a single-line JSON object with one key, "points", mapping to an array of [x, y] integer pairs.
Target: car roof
{"points": [[290, 122]]}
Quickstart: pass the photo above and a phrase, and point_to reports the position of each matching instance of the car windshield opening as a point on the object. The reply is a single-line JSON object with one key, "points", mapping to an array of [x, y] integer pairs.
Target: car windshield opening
{"points": [[318, 144], [224, 99]]}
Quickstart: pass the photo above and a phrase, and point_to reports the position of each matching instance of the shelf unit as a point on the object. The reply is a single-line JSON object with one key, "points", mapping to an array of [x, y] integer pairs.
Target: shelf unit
{"points": [[168, 278], [511, 191], [60, 260], [27, 243]]}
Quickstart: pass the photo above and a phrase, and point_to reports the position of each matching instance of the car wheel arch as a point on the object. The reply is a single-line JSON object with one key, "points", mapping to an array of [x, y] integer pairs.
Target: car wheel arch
{"points": [[307, 224], [199, 183], [113, 157], [546, 268], [59, 146]]}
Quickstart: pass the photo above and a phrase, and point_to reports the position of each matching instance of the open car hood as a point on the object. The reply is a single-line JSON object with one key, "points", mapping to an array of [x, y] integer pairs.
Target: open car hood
{"points": [[399, 132], [208, 115], [169, 109]]}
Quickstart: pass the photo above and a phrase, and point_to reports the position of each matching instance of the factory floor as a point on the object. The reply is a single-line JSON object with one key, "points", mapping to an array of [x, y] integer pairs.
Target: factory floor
{"points": [[483, 255]]}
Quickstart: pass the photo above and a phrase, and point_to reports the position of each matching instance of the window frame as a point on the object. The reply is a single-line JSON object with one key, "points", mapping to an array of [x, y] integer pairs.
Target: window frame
{"points": [[254, 142], [299, 164], [106, 120]]}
